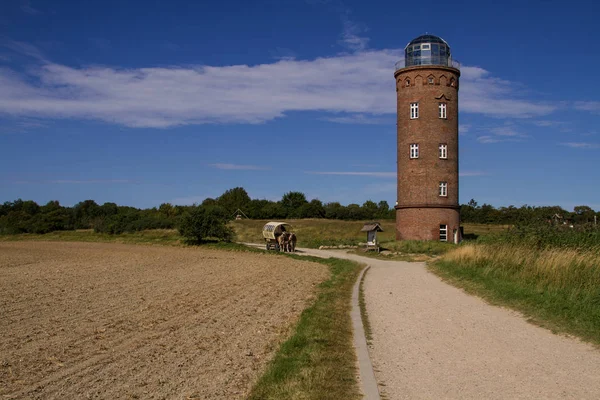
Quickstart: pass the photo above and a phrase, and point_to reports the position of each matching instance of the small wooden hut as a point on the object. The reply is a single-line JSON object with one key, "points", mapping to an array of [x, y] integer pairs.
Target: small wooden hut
{"points": [[372, 228]]}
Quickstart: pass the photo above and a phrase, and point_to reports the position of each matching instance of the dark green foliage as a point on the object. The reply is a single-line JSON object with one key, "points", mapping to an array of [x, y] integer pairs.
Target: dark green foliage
{"points": [[204, 223], [233, 199], [292, 202], [28, 217]]}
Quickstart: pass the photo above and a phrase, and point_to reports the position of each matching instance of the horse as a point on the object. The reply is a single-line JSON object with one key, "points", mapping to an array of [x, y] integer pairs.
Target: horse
{"points": [[292, 242], [283, 241]]}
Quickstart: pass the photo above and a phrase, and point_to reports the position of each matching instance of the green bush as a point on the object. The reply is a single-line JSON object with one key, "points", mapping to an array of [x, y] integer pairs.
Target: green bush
{"points": [[205, 223]]}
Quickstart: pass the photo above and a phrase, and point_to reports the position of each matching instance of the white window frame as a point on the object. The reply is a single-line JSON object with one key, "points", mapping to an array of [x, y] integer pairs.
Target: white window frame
{"points": [[443, 151], [414, 150], [443, 110], [430, 80], [414, 110], [443, 233], [443, 192]]}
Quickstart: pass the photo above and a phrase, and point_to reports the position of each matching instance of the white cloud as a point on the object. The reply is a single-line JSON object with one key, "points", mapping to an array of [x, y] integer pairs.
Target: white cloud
{"points": [[359, 84], [361, 119], [464, 129], [351, 38], [27, 8], [488, 139], [375, 174], [581, 145], [471, 173], [505, 131], [480, 93], [237, 167], [78, 182], [593, 106]]}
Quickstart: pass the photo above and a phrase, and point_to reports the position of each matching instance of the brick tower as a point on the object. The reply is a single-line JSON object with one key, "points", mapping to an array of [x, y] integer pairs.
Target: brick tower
{"points": [[427, 95]]}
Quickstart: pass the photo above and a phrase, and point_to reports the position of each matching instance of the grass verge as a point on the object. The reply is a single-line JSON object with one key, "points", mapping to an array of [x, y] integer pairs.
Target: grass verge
{"points": [[318, 361], [363, 309], [555, 288]]}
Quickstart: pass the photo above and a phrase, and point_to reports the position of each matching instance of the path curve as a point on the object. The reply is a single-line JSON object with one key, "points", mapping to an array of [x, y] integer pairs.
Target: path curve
{"points": [[432, 340]]}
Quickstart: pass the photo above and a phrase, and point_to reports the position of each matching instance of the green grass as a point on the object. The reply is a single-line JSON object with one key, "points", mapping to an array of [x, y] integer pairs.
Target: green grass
{"points": [[156, 236], [363, 309], [313, 233], [555, 288], [318, 361]]}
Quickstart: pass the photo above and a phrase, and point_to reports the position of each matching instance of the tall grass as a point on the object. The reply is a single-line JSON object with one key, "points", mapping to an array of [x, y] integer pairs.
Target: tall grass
{"points": [[558, 287], [580, 237]]}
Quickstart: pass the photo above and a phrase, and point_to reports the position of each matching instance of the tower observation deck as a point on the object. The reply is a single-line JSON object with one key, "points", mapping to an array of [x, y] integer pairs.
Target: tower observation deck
{"points": [[427, 50]]}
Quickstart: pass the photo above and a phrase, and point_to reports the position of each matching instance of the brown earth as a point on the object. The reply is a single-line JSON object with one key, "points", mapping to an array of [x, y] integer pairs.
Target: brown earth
{"points": [[91, 320]]}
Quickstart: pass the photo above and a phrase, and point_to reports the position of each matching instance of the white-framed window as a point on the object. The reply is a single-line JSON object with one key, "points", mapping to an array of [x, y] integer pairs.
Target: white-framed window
{"points": [[414, 110], [443, 233], [407, 82], [442, 108], [443, 151], [443, 189], [414, 150], [430, 80]]}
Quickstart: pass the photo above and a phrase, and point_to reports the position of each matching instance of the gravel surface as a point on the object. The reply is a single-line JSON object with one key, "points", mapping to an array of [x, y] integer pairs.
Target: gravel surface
{"points": [[112, 321], [434, 341]]}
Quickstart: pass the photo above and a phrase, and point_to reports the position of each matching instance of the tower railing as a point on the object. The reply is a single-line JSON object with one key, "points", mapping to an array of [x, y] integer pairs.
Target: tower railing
{"points": [[450, 62]]}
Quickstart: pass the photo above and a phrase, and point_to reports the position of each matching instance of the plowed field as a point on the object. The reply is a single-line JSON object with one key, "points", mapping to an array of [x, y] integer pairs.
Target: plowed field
{"points": [[110, 321]]}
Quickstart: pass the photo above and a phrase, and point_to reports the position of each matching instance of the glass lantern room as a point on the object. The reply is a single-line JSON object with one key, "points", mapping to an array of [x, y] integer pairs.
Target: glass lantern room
{"points": [[428, 50]]}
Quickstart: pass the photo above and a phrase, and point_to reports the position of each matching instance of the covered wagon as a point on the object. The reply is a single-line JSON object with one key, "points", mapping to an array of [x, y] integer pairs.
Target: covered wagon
{"points": [[271, 232]]}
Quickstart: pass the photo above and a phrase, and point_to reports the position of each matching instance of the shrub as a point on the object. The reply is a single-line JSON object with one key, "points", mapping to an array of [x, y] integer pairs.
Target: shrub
{"points": [[204, 223]]}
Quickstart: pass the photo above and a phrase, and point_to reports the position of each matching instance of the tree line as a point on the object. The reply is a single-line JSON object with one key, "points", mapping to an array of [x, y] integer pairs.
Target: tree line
{"points": [[26, 216], [486, 214]]}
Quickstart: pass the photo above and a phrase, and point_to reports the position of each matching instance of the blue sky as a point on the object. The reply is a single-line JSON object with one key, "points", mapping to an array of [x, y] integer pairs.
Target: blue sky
{"points": [[145, 102]]}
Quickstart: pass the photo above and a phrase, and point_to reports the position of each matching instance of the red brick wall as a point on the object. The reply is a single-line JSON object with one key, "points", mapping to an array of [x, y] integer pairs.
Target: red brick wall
{"points": [[419, 179], [424, 223]]}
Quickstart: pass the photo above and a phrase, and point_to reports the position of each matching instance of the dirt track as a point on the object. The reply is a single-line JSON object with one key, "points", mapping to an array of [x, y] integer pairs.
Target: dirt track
{"points": [[114, 321]]}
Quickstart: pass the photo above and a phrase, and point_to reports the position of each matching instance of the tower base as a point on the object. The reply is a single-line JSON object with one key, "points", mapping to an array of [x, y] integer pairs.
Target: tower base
{"points": [[426, 223]]}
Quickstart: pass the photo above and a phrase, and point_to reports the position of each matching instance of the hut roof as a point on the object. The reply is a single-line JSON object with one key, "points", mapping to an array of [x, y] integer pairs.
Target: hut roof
{"points": [[372, 226]]}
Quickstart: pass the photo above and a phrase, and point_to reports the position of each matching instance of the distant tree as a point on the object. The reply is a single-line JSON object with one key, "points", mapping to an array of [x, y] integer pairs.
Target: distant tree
{"points": [[233, 199], [85, 213], [108, 209], [273, 211], [202, 223], [167, 210], [313, 209], [291, 202], [335, 210], [355, 212], [209, 202], [369, 210], [583, 214], [255, 209]]}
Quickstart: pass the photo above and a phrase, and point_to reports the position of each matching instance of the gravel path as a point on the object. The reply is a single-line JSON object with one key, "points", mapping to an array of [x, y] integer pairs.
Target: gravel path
{"points": [[432, 340]]}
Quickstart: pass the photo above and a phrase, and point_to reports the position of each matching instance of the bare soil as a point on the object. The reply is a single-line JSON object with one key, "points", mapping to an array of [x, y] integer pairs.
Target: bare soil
{"points": [[92, 320]]}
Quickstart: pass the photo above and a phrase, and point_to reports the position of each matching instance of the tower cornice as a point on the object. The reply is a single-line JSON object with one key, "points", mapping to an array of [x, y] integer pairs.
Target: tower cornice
{"points": [[426, 67]]}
